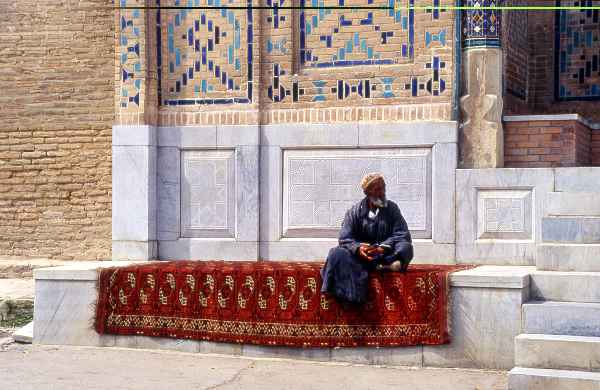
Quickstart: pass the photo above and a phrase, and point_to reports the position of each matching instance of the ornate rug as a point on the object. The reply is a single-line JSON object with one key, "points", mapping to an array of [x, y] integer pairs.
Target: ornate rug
{"points": [[271, 303]]}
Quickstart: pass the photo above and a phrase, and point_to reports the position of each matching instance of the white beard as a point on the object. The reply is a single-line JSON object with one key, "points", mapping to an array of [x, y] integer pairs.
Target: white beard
{"points": [[378, 202]]}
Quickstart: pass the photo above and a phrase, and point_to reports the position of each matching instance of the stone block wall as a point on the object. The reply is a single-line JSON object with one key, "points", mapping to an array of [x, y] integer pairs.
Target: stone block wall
{"points": [[56, 110]]}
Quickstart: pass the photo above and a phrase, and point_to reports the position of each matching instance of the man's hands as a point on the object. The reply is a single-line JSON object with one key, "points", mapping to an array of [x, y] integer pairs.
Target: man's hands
{"points": [[369, 252]]}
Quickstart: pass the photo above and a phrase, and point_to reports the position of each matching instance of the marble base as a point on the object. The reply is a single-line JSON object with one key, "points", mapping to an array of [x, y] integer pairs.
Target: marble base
{"points": [[558, 352], [562, 318], [546, 379], [480, 299]]}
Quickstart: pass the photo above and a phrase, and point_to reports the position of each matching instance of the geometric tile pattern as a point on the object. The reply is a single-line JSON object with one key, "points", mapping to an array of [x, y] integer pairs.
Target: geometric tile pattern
{"points": [[320, 186], [356, 36], [481, 27], [207, 190], [129, 56], [208, 57], [504, 214], [578, 52]]}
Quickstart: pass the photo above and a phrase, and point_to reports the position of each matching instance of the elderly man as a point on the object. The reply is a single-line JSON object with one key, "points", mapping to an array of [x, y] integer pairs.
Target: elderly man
{"points": [[374, 235]]}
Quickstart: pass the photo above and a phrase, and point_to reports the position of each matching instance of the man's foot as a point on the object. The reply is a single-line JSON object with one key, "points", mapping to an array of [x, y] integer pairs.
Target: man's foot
{"points": [[396, 266]]}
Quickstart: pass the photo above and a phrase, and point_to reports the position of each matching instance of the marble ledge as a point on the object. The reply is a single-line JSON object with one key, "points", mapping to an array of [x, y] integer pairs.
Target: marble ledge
{"points": [[487, 276], [493, 276], [79, 270]]}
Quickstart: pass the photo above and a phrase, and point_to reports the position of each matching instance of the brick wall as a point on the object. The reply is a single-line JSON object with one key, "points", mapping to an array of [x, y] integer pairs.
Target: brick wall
{"points": [[548, 143], [516, 56], [56, 111], [595, 150]]}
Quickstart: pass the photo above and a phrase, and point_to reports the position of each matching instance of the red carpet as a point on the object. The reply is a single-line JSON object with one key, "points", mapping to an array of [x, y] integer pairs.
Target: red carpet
{"points": [[270, 303]]}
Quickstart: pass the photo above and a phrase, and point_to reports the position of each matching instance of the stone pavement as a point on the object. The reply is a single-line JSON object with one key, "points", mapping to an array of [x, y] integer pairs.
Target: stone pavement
{"points": [[41, 367]]}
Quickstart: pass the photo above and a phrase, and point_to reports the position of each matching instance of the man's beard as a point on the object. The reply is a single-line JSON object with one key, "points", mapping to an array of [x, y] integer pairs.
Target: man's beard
{"points": [[378, 202]]}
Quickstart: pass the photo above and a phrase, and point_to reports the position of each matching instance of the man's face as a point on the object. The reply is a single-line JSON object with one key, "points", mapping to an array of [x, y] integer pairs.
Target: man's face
{"points": [[376, 193]]}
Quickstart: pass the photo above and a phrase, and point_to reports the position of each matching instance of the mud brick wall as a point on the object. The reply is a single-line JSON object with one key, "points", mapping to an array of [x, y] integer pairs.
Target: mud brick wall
{"points": [[531, 144], [56, 111]]}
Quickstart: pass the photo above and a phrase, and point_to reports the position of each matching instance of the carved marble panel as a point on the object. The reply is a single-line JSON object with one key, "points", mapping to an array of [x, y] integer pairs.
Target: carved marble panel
{"points": [[320, 185], [504, 214], [208, 193]]}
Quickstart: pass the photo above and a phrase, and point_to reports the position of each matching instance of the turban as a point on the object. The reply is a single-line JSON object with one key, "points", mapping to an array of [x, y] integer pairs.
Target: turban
{"points": [[369, 179]]}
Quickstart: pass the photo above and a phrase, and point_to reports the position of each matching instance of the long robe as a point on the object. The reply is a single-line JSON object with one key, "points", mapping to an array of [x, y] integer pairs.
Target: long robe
{"points": [[345, 274]]}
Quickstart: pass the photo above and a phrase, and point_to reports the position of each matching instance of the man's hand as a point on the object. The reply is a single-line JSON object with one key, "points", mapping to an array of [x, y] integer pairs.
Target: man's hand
{"points": [[363, 251], [374, 251]]}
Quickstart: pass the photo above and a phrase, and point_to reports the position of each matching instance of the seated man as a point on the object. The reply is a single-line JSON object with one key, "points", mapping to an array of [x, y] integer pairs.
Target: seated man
{"points": [[374, 235]]}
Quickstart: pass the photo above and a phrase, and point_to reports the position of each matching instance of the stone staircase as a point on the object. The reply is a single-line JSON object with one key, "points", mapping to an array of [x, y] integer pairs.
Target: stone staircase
{"points": [[560, 344]]}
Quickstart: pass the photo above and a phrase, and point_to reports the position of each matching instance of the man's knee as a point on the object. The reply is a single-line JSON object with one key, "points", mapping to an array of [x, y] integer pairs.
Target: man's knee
{"points": [[338, 254]]}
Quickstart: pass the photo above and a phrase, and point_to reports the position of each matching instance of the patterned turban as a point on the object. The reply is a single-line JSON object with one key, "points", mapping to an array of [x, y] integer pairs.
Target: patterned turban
{"points": [[369, 179]]}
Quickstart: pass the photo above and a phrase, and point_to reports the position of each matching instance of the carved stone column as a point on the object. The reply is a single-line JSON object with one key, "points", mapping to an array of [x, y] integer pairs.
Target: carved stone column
{"points": [[481, 133]]}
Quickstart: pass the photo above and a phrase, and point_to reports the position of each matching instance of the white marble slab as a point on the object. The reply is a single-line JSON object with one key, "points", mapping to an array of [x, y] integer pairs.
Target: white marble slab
{"points": [[577, 179], [513, 227], [561, 352], [491, 276], [483, 325], [566, 286], [572, 318]]}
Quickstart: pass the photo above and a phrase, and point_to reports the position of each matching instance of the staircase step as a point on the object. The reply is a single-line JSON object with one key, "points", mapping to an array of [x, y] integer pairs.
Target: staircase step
{"points": [[520, 378], [573, 203], [575, 230], [557, 352], [561, 318], [577, 179], [568, 257], [565, 286]]}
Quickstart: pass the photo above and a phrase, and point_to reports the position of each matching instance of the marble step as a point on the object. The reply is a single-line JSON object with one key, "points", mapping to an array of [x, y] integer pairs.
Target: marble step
{"points": [[557, 352], [573, 230], [520, 378], [568, 257], [561, 318], [565, 286], [577, 179], [573, 203]]}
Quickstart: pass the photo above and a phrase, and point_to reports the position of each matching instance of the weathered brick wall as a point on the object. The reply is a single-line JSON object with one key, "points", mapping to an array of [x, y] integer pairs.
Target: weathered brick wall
{"points": [[548, 143], [56, 112]]}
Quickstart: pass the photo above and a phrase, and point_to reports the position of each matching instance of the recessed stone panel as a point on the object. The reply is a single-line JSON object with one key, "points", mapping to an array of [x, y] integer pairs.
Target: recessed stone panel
{"points": [[207, 193], [321, 185], [504, 214]]}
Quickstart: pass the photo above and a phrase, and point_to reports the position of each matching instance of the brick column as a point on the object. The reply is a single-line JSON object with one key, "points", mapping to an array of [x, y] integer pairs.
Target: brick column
{"points": [[134, 146], [481, 135]]}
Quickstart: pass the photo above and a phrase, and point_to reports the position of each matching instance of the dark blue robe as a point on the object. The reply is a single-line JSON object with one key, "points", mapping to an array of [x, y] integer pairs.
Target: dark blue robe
{"points": [[345, 274]]}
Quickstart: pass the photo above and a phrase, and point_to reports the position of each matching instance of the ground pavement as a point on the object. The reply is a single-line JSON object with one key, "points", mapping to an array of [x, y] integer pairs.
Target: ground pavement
{"points": [[44, 367]]}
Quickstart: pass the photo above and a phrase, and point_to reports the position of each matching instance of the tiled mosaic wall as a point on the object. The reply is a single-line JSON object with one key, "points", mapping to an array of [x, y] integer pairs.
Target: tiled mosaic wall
{"points": [[543, 73], [245, 65], [578, 52]]}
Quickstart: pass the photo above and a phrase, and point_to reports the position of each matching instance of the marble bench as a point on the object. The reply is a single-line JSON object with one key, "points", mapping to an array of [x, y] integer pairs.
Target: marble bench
{"points": [[485, 317]]}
